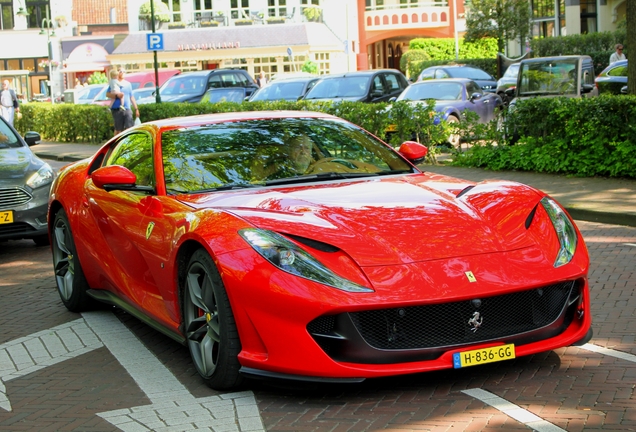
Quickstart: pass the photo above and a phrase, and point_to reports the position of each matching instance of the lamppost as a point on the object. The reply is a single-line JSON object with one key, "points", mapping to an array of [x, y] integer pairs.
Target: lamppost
{"points": [[47, 29]]}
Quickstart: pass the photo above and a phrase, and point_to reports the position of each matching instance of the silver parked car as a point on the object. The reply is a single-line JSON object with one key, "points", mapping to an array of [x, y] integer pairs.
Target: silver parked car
{"points": [[25, 182]]}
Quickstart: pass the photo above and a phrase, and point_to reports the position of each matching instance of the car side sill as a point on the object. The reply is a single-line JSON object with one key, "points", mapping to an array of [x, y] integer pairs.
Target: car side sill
{"points": [[110, 298], [257, 373]]}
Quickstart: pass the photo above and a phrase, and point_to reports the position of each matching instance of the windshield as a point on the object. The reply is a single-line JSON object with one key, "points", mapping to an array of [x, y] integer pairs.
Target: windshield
{"points": [[432, 90], [471, 73], [331, 88], [8, 139], [255, 153], [512, 71], [280, 91], [184, 84], [548, 77]]}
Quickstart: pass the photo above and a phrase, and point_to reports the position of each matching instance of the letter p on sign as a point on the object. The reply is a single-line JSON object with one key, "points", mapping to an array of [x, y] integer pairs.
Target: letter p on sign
{"points": [[154, 41]]}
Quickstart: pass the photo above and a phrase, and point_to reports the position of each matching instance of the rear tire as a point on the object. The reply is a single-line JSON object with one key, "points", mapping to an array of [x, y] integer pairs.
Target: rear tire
{"points": [[210, 329], [69, 276]]}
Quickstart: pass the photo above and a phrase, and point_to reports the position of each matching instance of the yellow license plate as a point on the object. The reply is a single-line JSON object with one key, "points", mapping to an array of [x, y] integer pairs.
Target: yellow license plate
{"points": [[484, 355], [6, 217]]}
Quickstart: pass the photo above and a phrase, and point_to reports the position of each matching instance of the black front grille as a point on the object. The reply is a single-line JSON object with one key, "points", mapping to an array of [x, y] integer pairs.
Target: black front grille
{"points": [[521, 317], [448, 324], [10, 198]]}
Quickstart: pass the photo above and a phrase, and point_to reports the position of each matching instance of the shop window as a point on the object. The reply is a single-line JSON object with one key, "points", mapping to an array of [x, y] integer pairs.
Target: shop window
{"points": [[28, 64], [13, 64]]}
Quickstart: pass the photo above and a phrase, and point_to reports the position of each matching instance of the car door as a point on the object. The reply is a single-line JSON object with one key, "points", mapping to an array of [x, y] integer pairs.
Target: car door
{"points": [[129, 229], [483, 105]]}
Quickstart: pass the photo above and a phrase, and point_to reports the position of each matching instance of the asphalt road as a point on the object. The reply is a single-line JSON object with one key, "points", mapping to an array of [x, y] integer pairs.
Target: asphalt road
{"points": [[61, 371]]}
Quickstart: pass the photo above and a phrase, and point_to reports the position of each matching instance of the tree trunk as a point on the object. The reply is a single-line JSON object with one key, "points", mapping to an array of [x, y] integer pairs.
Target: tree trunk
{"points": [[630, 45]]}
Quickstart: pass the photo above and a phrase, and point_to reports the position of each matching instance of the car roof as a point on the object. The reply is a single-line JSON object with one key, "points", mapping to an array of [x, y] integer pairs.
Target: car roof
{"points": [[206, 119], [207, 72], [296, 79], [553, 58], [444, 80], [360, 73]]}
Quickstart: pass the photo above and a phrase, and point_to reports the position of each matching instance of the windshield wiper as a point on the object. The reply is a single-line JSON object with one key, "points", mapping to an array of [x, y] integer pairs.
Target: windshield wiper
{"points": [[313, 177], [229, 186], [389, 172]]}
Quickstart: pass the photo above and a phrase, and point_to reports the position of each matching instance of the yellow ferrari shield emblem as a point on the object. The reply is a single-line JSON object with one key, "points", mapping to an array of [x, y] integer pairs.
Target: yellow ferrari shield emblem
{"points": [[149, 228], [471, 277]]}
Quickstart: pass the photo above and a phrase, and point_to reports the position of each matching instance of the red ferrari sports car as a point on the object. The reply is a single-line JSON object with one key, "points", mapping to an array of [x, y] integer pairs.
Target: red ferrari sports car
{"points": [[297, 245]]}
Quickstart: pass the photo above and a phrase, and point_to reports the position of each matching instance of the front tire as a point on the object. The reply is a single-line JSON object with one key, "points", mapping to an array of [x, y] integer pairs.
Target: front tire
{"points": [[69, 276], [209, 324]]}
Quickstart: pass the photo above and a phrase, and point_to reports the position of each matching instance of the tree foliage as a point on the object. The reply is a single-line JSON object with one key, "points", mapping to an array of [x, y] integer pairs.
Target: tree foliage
{"points": [[162, 11], [97, 78], [504, 20]]}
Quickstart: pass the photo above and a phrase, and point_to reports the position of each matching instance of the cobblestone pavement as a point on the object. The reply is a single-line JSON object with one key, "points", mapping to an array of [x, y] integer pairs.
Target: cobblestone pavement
{"points": [[587, 388]]}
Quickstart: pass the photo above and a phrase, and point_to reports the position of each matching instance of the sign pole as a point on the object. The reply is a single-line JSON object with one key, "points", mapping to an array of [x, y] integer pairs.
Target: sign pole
{"points": [[156, 64]]}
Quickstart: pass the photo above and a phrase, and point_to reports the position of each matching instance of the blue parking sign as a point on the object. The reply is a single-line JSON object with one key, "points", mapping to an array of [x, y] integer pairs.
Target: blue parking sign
{"points": [[154, 41]]}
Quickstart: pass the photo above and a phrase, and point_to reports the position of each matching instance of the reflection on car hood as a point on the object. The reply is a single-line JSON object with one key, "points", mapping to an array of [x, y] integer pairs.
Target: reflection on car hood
{"points": [[15, 163], [388, 221], [340, 99]]}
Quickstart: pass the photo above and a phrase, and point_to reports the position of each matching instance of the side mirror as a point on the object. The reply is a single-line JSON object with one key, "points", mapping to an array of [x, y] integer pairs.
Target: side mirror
{"points": [[376, 93], [475, 96], [113, 177], [32, 138], [510, 91], [413, 151], [624, 90], [586, 88], [393, 99]]}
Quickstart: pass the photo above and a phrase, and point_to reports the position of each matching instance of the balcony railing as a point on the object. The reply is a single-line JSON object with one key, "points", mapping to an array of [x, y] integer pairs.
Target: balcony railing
{"points": [[424, 14]]}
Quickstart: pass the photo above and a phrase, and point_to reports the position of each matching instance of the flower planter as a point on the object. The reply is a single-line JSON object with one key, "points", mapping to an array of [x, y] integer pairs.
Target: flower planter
{"points": [[276, 21], [243, 23], [209, 24]]}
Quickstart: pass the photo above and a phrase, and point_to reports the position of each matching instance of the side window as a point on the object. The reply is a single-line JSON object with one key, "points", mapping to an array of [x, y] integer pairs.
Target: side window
{"points": [[441, 73], [241, 80], [430, 74], [618, 71], [472, 87], [392, 83], [377, 84], [134, 152], [215, 81]]}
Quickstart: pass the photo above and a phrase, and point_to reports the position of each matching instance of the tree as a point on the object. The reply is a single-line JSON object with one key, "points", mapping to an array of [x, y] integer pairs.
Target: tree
{"points": [[630, 44], [162, 12], [504, 20]]}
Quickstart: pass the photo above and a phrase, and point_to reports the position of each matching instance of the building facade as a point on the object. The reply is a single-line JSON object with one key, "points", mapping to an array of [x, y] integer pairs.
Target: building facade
{"points": [[65, 40]]}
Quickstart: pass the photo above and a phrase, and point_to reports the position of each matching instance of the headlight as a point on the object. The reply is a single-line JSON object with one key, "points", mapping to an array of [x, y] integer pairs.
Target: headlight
{"points": [[44, 176], [564, 229], [288, 257]]}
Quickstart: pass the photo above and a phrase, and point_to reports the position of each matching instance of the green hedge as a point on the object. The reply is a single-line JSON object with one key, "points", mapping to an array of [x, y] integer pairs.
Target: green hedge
{"points": [[66, 122], [582, 137]]}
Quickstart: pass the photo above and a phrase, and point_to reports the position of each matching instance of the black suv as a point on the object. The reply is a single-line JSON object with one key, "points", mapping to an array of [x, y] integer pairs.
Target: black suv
{"points": [[378, 85], [191, 86]]}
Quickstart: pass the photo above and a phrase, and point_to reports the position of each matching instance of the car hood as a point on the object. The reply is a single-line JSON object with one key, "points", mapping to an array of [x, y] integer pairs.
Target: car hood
{"points": [[391, 221], [16, 164]]}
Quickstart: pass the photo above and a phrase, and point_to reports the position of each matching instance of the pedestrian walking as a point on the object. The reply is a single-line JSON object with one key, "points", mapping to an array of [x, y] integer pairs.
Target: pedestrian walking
{"points": [[261, 80], [123, 118], [9, 101]]}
